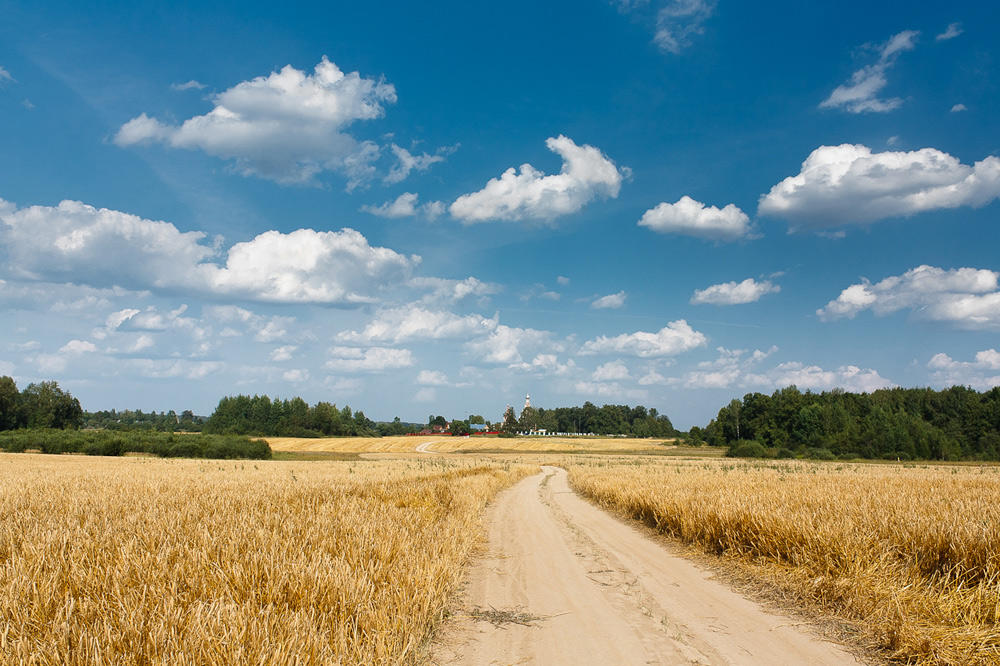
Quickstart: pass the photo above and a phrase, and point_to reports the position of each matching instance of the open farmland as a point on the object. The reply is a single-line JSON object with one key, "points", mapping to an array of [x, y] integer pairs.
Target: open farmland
{"points": [[449, 444], [145, 561], [910, 554]]}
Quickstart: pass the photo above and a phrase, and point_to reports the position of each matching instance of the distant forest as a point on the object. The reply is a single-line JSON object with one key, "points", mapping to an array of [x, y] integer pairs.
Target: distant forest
{"points": [[957, 423]]}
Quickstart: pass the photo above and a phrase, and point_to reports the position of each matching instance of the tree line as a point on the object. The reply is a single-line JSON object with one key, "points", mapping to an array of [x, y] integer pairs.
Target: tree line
{"points": [[42, 405], [590, 419], [956, 423]]}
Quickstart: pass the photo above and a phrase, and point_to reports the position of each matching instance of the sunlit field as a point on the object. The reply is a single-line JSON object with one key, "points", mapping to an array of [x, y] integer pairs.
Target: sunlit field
{"points": [[148, 561], [909, 553], [449, 444]]}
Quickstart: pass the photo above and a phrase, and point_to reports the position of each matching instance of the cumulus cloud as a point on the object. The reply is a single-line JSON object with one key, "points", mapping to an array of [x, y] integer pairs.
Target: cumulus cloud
{"points": [[78, 347], [405, 205], [396, 325], [452, 291], [609, 390], [953, 31], [546, 364], [259, 327], [958, 107], [612, 301], [5, 76], [850, 184], [693, 218], [432, 378], [848, 377], [283, 353], [426, 394], [734, 293], [966, 298], [611, 371], [531, 195], [287, 127], [861, 93], [562, 280], [508, 345], [70, 243], [674, 338], [375, 359], [981, 374]]}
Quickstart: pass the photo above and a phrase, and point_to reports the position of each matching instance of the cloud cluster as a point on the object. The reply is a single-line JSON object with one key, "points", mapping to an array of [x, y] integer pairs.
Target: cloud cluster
{"points": [[861, 94], [509, 346], [71, 243], [966, 298], [407, 162], [981, 374], [286, 127], [693, 218], [375, 359], [734, 293], [408, 323], [674, 338], [531, 195], [850, 184], [677, 21]]}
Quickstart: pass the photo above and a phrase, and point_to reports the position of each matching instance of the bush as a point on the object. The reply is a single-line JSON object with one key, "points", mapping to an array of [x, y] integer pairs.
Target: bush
{"points": [[747, 449]]}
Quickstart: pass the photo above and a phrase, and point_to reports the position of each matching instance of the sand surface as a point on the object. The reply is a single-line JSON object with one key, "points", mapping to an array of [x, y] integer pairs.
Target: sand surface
{"points": [[563, 582]]}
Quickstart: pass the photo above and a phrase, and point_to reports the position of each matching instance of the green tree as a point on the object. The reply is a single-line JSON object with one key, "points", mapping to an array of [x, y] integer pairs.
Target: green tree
{"points": [[509, 426], [9, 397], [46, 405]]}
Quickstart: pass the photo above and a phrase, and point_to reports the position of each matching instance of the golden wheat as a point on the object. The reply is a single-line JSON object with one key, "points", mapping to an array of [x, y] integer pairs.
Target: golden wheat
{"points": [[141, 561], [911, 554], [449, 444]]}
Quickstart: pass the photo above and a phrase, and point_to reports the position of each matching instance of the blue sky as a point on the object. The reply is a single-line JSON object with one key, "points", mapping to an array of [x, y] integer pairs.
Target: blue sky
{"points": [[414, 210]]}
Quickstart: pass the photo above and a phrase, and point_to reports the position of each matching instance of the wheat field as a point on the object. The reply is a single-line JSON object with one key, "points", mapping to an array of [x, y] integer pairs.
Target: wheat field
{"points": [[449, 444], [143, 561], [909, 554]]}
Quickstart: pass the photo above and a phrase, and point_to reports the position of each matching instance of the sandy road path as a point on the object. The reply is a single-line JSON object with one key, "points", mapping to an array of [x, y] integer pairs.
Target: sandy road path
{"points": [[593, 590]]}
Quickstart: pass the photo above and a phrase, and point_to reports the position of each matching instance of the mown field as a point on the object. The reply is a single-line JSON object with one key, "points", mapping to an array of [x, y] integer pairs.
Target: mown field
{"points": [[449, 444], [909, 554], [146, 561]]}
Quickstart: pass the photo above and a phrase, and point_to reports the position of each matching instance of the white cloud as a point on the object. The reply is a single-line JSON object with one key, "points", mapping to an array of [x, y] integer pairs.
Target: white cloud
{"points": [[405, 205], [693, 218], [261, 328], [546, 364], [849, 184], [611, 371], [442, 290], [613, 301], [953, 31], [172, 368], [848, 377], [508, 346], [959, 107], [287, 127], [861, 94], [407, 162], [562, 280], [531, 195], [284, 353], [967, 298], [190, 85], [78, 347], [5, 76], [296, 376], [609, 390], [416, 323], [674, 338], [734, 293], [425, 394], [432, 378], [981, 374], [375, 359], [70, 243], [677, 21]]}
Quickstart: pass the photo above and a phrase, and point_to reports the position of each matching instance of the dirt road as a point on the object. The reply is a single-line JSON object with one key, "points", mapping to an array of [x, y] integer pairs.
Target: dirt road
{"points": [[563, 582]]}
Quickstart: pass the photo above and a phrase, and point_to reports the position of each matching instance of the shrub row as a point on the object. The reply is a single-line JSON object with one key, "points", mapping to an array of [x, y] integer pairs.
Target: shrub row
{"points": [[116, 443]]}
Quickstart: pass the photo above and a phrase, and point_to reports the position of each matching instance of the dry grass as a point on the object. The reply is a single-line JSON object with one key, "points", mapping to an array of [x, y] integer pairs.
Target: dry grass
{"points": [[449, 444], [141, 561], [910, 554]]}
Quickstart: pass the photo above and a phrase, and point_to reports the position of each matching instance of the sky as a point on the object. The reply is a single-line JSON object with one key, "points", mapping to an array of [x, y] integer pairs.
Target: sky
{"points": [[417, 210]]}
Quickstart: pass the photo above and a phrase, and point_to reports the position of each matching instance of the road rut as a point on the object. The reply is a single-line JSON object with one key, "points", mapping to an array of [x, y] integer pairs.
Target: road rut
{"points": [[563, 582]]}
